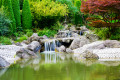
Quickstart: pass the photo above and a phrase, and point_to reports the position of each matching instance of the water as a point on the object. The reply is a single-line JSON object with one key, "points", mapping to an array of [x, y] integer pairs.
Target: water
{"points": [[52, 66], [51, 45]]}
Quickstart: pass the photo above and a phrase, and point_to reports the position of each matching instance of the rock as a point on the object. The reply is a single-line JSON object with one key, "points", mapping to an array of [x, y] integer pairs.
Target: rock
{"points": [[62, 34], [34, 37], [75, 35], [18, 44], [61, 49], [92, 37], [45, 37], [83, 28], [3, 63], [78, 42], [75, 43], [90, 55], [68, 50], [25, 53], [33, 45], [112, 44], [72, 28]]}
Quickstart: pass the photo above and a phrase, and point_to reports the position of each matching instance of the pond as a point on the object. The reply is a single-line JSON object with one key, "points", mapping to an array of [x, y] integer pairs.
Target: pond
{"points": [[50, 66]]}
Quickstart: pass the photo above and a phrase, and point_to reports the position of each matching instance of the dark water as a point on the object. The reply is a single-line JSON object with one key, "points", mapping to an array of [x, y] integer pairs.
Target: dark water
{"points": [[51, 67]]}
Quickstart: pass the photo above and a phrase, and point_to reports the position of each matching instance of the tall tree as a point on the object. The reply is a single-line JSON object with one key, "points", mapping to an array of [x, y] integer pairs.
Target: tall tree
{"points": [[26, 15], [0, 3], [16, 10], [8, 8]]}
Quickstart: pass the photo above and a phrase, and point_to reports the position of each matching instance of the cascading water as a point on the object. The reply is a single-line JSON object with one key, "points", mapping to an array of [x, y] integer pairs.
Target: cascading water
{"points": [[51, 45]]}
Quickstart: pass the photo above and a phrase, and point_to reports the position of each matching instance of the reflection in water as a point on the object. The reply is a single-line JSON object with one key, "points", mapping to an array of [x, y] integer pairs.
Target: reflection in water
{"points": [[51, 57], [49, 66]]}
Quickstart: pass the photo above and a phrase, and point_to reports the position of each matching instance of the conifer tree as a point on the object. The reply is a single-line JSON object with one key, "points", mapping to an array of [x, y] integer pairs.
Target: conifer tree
{"points": [[26, 15], [8, 8], [16, 10]]}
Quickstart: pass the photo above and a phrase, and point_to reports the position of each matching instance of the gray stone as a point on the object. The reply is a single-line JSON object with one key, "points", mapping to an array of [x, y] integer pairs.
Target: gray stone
{"points": [[112, 44], [45, 37], [61, 49], [92, 37], [68, 50], [90, 55], [3, 63], [78, 42], [34, 37], [33, 45], [25, 53]]}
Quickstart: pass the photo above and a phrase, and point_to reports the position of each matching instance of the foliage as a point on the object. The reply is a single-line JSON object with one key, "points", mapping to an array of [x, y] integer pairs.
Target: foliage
{"points": [[74, 16], [16, 10], [105, 13], [22, 38], [5, 40], [47, 12], [108, 10], [26, 15], [47, 32], [0, 3], [5, 24], [9, 11], [29, 32]]}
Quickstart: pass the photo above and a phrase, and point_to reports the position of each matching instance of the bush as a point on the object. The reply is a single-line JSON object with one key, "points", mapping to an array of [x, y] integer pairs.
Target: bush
{"points": [[29, 32], [103, 33], [47, 12], [22, 38], [47, 32], [26, 15], [5, 25], [5, 40]]}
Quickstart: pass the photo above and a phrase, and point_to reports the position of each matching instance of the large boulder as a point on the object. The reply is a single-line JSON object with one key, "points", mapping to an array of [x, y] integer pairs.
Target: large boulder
{"points": [[90, 55], [25, 53], [61, 49], [33, 45], [3, 63], [112, 44], [34, 37], [68, 50], [78, 42], [92, 37]]}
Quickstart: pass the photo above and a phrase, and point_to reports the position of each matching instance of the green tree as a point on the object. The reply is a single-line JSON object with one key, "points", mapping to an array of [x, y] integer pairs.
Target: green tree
{"points": [[16, 10], [26, 15], [0, 3], [8, 9]]}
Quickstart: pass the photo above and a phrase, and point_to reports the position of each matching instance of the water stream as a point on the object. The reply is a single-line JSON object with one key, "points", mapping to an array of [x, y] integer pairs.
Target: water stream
{"points": [[51, 45]]}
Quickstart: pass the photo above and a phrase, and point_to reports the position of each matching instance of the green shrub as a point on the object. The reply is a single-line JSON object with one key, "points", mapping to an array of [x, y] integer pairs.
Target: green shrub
{"points": [[9, 11], [22, 38], [104, 33], [29, 32], [47, 32], [5, 40], [26, 15], [5, 24], [47, 12], [16, 10]]}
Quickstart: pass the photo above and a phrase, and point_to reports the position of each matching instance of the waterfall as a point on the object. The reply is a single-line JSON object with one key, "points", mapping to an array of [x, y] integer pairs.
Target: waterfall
{"points": [[51, 45]]}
